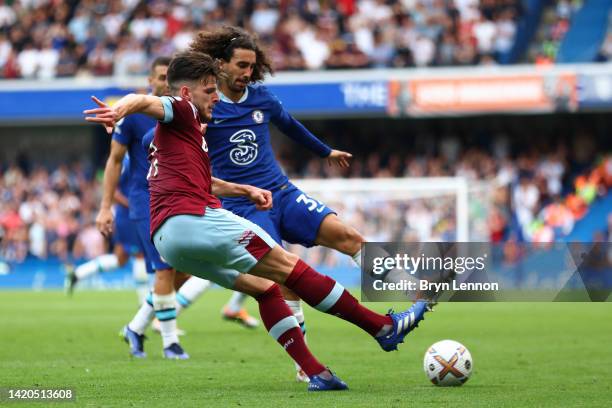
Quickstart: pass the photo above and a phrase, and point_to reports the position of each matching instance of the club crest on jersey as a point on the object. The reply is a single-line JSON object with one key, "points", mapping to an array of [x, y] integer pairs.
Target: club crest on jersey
{"points": [[258, 116], [245, 151]]}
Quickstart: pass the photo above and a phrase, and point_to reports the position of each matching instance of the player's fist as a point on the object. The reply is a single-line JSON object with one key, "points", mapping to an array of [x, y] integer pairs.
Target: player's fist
{"points": [[104, 221], [103, 115], [261, 198], [339, 158]]}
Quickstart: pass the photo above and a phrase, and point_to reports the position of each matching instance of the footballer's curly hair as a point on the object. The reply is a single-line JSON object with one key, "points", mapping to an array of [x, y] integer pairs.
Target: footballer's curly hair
{"points": [[190, 66], [220, 44]]}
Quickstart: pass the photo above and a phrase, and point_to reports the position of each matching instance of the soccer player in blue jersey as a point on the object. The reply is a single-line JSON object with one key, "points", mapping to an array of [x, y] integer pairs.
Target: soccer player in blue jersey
{"points": [[127, 137], [241, 152], [125, 245]]}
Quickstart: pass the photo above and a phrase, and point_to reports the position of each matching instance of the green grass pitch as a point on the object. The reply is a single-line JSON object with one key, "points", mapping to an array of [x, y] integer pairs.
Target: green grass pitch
{"points": [[525, 354]]}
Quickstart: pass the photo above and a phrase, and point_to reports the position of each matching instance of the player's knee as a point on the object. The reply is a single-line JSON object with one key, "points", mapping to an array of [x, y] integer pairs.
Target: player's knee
{"points": [[122, 255], [276, 265], [122, 258], [179, 279]]}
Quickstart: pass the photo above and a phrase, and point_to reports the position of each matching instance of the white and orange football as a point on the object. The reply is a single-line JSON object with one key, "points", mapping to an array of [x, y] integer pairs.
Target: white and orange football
{"points": [[448, 363]]}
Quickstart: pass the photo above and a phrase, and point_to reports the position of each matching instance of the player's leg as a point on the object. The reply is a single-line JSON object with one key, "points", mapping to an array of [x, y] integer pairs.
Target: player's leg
{"points": [[162, 302], [224, 238], [102, 263], [217, 245], [335, 234], [276, 315], [302, 217], [190, 291], [126, 234], [308, 222], [141, 277], [328, 296], [295, 305], [282, 325], [234, 309]]}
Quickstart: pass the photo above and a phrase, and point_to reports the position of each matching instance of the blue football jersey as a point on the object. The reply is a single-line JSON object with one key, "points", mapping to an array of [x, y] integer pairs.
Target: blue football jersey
{"points": [[147, 139], [129, 132], [239, 144]]}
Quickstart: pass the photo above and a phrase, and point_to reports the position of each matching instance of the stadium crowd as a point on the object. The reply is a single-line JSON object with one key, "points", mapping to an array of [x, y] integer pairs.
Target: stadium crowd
{"points": [[533, 196], [65, 38]]}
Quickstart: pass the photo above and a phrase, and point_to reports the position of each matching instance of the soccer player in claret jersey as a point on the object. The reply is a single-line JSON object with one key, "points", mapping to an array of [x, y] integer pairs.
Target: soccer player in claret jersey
{"points": [[241, 152], [127, 137], [194, 234]]}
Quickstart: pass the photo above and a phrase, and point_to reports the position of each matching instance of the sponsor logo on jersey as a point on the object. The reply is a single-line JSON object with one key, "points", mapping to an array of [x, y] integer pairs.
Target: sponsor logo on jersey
{"points": [[246, 149]]}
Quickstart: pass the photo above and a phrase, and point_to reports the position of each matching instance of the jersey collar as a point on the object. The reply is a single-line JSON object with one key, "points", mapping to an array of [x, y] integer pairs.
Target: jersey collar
{"points": [[244, 97]]}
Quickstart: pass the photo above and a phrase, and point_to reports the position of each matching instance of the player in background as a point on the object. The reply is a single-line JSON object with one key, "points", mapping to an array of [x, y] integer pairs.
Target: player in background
{"points": [[193, 232], [161, 304], [125, 245], [241, 152]]}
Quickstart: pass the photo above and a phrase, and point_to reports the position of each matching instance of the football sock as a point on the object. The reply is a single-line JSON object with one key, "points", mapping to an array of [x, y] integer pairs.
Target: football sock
{"points": [[144, 316], [165, 311], [236, 302], [284, 328], [326, 295], [99, 264], [190, 292], [296, 308], [141, 279]]}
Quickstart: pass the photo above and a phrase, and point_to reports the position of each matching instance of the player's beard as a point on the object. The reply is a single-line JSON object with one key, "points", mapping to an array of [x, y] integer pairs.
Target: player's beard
{"points": [[205, 117]]}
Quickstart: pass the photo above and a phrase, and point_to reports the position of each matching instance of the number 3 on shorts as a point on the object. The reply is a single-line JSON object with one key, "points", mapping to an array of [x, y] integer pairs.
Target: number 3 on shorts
{"points": [[311, 203]]}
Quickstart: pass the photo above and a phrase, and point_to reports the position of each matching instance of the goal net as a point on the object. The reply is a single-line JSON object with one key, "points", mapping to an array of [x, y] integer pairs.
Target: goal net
{"points": [[402, 209]]}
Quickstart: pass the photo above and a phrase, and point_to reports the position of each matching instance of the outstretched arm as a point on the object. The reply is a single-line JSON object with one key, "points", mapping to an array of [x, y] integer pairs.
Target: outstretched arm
{"points": [[133, 103], [298, 132], [261, 198]]}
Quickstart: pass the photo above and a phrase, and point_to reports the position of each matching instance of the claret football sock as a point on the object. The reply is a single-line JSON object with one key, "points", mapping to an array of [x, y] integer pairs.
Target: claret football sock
{"points": [[283, 326], [326, 295]]}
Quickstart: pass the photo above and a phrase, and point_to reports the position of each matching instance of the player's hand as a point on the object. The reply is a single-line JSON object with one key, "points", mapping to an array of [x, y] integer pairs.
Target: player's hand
{"points": [[261, 198], [104, 222], [339, 158], [103, 115]]}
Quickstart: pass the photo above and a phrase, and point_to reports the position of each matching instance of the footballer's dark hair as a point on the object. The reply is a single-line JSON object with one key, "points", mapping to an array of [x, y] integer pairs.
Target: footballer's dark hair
{"points": [[160, 61], [221, 43], [190, 66]]}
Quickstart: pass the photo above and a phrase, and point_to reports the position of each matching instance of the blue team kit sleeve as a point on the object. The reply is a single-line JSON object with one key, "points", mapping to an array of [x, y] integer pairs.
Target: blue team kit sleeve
{"points": [[293, 128], [123, 131], [148, 139]]}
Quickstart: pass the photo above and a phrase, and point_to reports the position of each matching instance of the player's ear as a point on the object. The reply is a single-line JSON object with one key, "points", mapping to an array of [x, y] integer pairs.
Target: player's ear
{"points": [[185, 92]]}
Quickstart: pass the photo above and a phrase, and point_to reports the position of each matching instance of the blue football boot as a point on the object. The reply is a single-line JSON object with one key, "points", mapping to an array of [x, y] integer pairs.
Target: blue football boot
{"points": [[318, 383], [175, 352], [136, 342], [403, 323]]}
